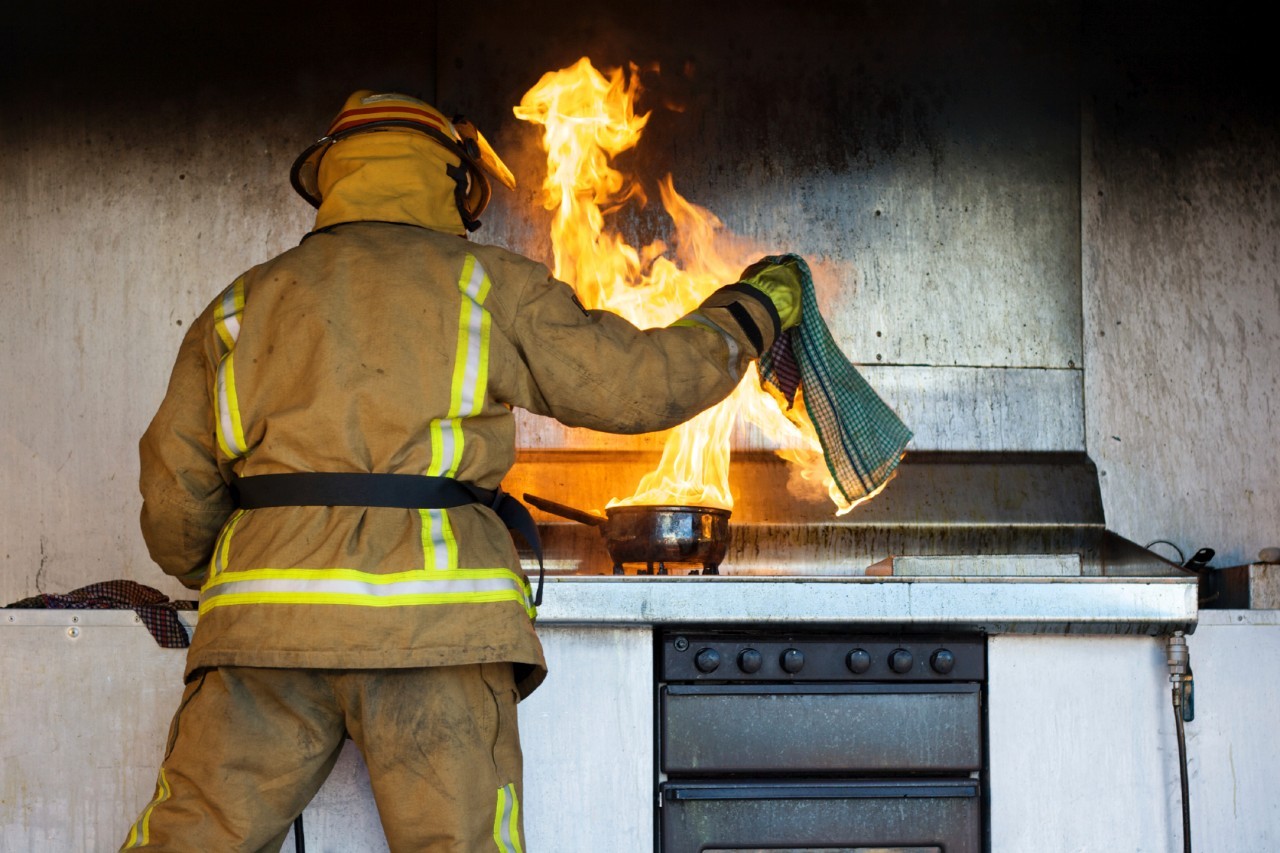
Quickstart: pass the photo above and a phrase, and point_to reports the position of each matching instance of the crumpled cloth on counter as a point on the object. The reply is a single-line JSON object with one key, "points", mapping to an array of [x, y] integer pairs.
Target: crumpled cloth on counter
{"points": [[862, 438], [155, 609]]}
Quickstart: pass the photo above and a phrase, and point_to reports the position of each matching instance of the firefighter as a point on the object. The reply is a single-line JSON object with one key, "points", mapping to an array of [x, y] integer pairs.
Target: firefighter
{"points": [[324, 468]]}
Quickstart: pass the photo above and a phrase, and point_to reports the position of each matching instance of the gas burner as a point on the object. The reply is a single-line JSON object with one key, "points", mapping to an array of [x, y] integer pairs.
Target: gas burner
{"points": [[659, 567]]}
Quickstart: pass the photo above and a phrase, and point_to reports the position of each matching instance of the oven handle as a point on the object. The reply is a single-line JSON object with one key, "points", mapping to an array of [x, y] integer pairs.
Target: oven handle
{"points": [[881, 789]]}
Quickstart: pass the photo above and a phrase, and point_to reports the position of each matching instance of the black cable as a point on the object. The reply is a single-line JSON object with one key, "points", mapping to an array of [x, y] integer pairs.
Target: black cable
{"points": [[1182, 558], [300, 843], [1182, 762]]}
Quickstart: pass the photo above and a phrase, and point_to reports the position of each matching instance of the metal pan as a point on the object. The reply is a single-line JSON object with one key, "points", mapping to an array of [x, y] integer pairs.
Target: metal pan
{"points": [[654, 535]]}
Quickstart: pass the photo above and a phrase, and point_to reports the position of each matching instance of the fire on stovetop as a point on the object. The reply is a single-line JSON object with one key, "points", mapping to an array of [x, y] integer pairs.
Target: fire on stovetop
{"points": [[588, 118]]}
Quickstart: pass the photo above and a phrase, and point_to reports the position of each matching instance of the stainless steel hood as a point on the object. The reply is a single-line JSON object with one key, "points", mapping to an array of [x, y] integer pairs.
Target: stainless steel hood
{"points": [[945, 514]]}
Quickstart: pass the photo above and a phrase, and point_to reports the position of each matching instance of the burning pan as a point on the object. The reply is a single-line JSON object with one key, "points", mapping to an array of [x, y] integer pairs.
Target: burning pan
{"points": [[654, 535]]}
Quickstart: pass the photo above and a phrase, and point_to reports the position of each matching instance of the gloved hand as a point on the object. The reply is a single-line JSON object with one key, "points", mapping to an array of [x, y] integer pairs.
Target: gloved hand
{"points": [[779, 282]]}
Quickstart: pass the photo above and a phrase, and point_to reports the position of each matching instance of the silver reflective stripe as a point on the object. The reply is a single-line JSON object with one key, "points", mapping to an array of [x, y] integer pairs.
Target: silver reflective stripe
{"points": [[446, 453], [227, 327], [224, 407], [439, 544], [337, 587], [506, 832], [475, 340], [230, 315]]}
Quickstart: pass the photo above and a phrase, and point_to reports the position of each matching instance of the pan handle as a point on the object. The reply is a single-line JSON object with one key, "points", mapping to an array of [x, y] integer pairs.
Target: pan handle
{"points": [[565, 511]]}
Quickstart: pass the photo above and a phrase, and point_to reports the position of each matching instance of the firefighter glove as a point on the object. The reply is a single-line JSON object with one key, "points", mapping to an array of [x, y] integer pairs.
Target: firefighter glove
{"points": [[779, 282]]}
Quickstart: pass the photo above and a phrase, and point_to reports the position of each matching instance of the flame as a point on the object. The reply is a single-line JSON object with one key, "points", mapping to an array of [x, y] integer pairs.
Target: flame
{"points": [[588, 118]]}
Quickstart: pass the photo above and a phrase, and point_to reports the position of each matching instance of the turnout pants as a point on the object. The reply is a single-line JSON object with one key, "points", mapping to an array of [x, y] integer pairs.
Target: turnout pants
{"points": [[249, 748]]}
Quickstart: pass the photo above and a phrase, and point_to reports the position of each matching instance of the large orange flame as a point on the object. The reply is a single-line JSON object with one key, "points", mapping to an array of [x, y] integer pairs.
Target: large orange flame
{"points": [[588, 118]]}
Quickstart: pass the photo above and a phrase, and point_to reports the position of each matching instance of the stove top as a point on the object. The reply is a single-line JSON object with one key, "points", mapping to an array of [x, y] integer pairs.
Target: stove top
{"points": [[944, 515]]}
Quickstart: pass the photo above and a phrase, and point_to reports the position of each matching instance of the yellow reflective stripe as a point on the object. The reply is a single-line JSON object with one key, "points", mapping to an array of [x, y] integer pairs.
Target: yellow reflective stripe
{"points": [[470, 370], [218, 563], [506, 820], [439, 545], [140, 834], [226, 599], [441, 447], [352, 587], [357, 576], [514, 823], [229, 428], [469, 387], [226, 316]]}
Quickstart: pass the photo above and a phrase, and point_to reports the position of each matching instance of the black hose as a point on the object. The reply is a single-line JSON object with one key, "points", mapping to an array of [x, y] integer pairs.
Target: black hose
{"points": [[1182, 762], [300, 843]]}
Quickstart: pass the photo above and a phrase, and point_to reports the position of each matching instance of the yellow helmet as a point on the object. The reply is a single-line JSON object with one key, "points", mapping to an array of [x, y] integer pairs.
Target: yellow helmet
{"points": [[366, 111]]}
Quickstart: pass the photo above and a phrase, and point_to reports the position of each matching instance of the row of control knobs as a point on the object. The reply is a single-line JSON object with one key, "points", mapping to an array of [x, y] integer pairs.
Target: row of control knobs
{"points": [[858, 661]]}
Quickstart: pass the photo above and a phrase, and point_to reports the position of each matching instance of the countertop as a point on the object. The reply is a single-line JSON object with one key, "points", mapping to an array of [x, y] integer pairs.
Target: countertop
{"points": [[994, 605]]}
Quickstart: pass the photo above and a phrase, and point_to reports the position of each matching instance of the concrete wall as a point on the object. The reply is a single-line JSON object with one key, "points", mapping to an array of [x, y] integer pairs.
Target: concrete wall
{"points": [[1180, 202], [143, 165]]}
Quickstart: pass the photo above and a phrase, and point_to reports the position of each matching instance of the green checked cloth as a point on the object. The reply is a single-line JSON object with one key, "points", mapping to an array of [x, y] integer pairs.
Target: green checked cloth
{"points": [[862, 439]]}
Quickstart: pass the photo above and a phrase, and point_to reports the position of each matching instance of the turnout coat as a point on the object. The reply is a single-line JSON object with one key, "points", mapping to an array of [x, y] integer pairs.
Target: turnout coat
{"points": [[386, 343]]}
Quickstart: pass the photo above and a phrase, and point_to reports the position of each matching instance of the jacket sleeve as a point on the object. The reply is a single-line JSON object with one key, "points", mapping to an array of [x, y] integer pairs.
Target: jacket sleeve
{"points": [[185, 500], [594, 369]]}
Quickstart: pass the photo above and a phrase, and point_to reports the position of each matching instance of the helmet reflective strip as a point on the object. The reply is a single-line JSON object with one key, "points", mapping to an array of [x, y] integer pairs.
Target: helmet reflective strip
{"points": [[506, 820], [351, 587], [226, 322]]}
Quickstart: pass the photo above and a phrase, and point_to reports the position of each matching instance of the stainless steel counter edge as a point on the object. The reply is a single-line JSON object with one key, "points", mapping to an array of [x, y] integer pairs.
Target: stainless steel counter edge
{"points": [[994, 605]]}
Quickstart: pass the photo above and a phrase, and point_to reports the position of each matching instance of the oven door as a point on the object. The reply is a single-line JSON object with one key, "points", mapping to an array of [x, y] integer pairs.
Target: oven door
{"points": [[854, 729], [822, 816]]}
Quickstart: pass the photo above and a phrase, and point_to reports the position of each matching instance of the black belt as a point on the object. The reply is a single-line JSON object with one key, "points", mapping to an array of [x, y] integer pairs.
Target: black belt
{"points": [[408, 491]]}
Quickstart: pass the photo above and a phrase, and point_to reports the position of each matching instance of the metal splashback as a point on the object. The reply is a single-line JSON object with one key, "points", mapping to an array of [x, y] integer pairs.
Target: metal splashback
{"points": [[944, 515]]}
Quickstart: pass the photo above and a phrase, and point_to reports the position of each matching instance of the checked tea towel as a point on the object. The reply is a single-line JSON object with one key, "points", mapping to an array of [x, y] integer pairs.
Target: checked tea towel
{"points": [[862, 439]]}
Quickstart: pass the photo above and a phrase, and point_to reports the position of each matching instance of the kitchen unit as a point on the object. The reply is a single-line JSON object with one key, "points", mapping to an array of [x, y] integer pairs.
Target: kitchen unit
{"points": [[91, 694]]}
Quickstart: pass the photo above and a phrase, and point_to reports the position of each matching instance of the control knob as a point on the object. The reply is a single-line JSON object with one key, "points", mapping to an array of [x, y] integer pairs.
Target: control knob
{"points": [[900, 661], [943, 661], [858, 661], [707, 660], [750, 661], [792, 661]]}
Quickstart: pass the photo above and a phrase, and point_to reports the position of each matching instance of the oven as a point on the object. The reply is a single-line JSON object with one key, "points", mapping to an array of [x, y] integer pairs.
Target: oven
{"points": [[832, 742]]}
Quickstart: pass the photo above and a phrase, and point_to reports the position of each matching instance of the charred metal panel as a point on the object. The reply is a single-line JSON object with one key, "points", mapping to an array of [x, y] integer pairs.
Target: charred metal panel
{"points": [[924, 157], [949, 408]]}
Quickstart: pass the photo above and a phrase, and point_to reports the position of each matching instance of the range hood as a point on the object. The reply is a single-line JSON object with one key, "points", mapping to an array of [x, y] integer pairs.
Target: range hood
{"points": [[946, 514]]}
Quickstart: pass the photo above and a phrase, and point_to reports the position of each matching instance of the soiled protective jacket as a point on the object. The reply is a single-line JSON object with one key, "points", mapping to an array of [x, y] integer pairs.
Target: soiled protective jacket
{"points": [[386, 343]]}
